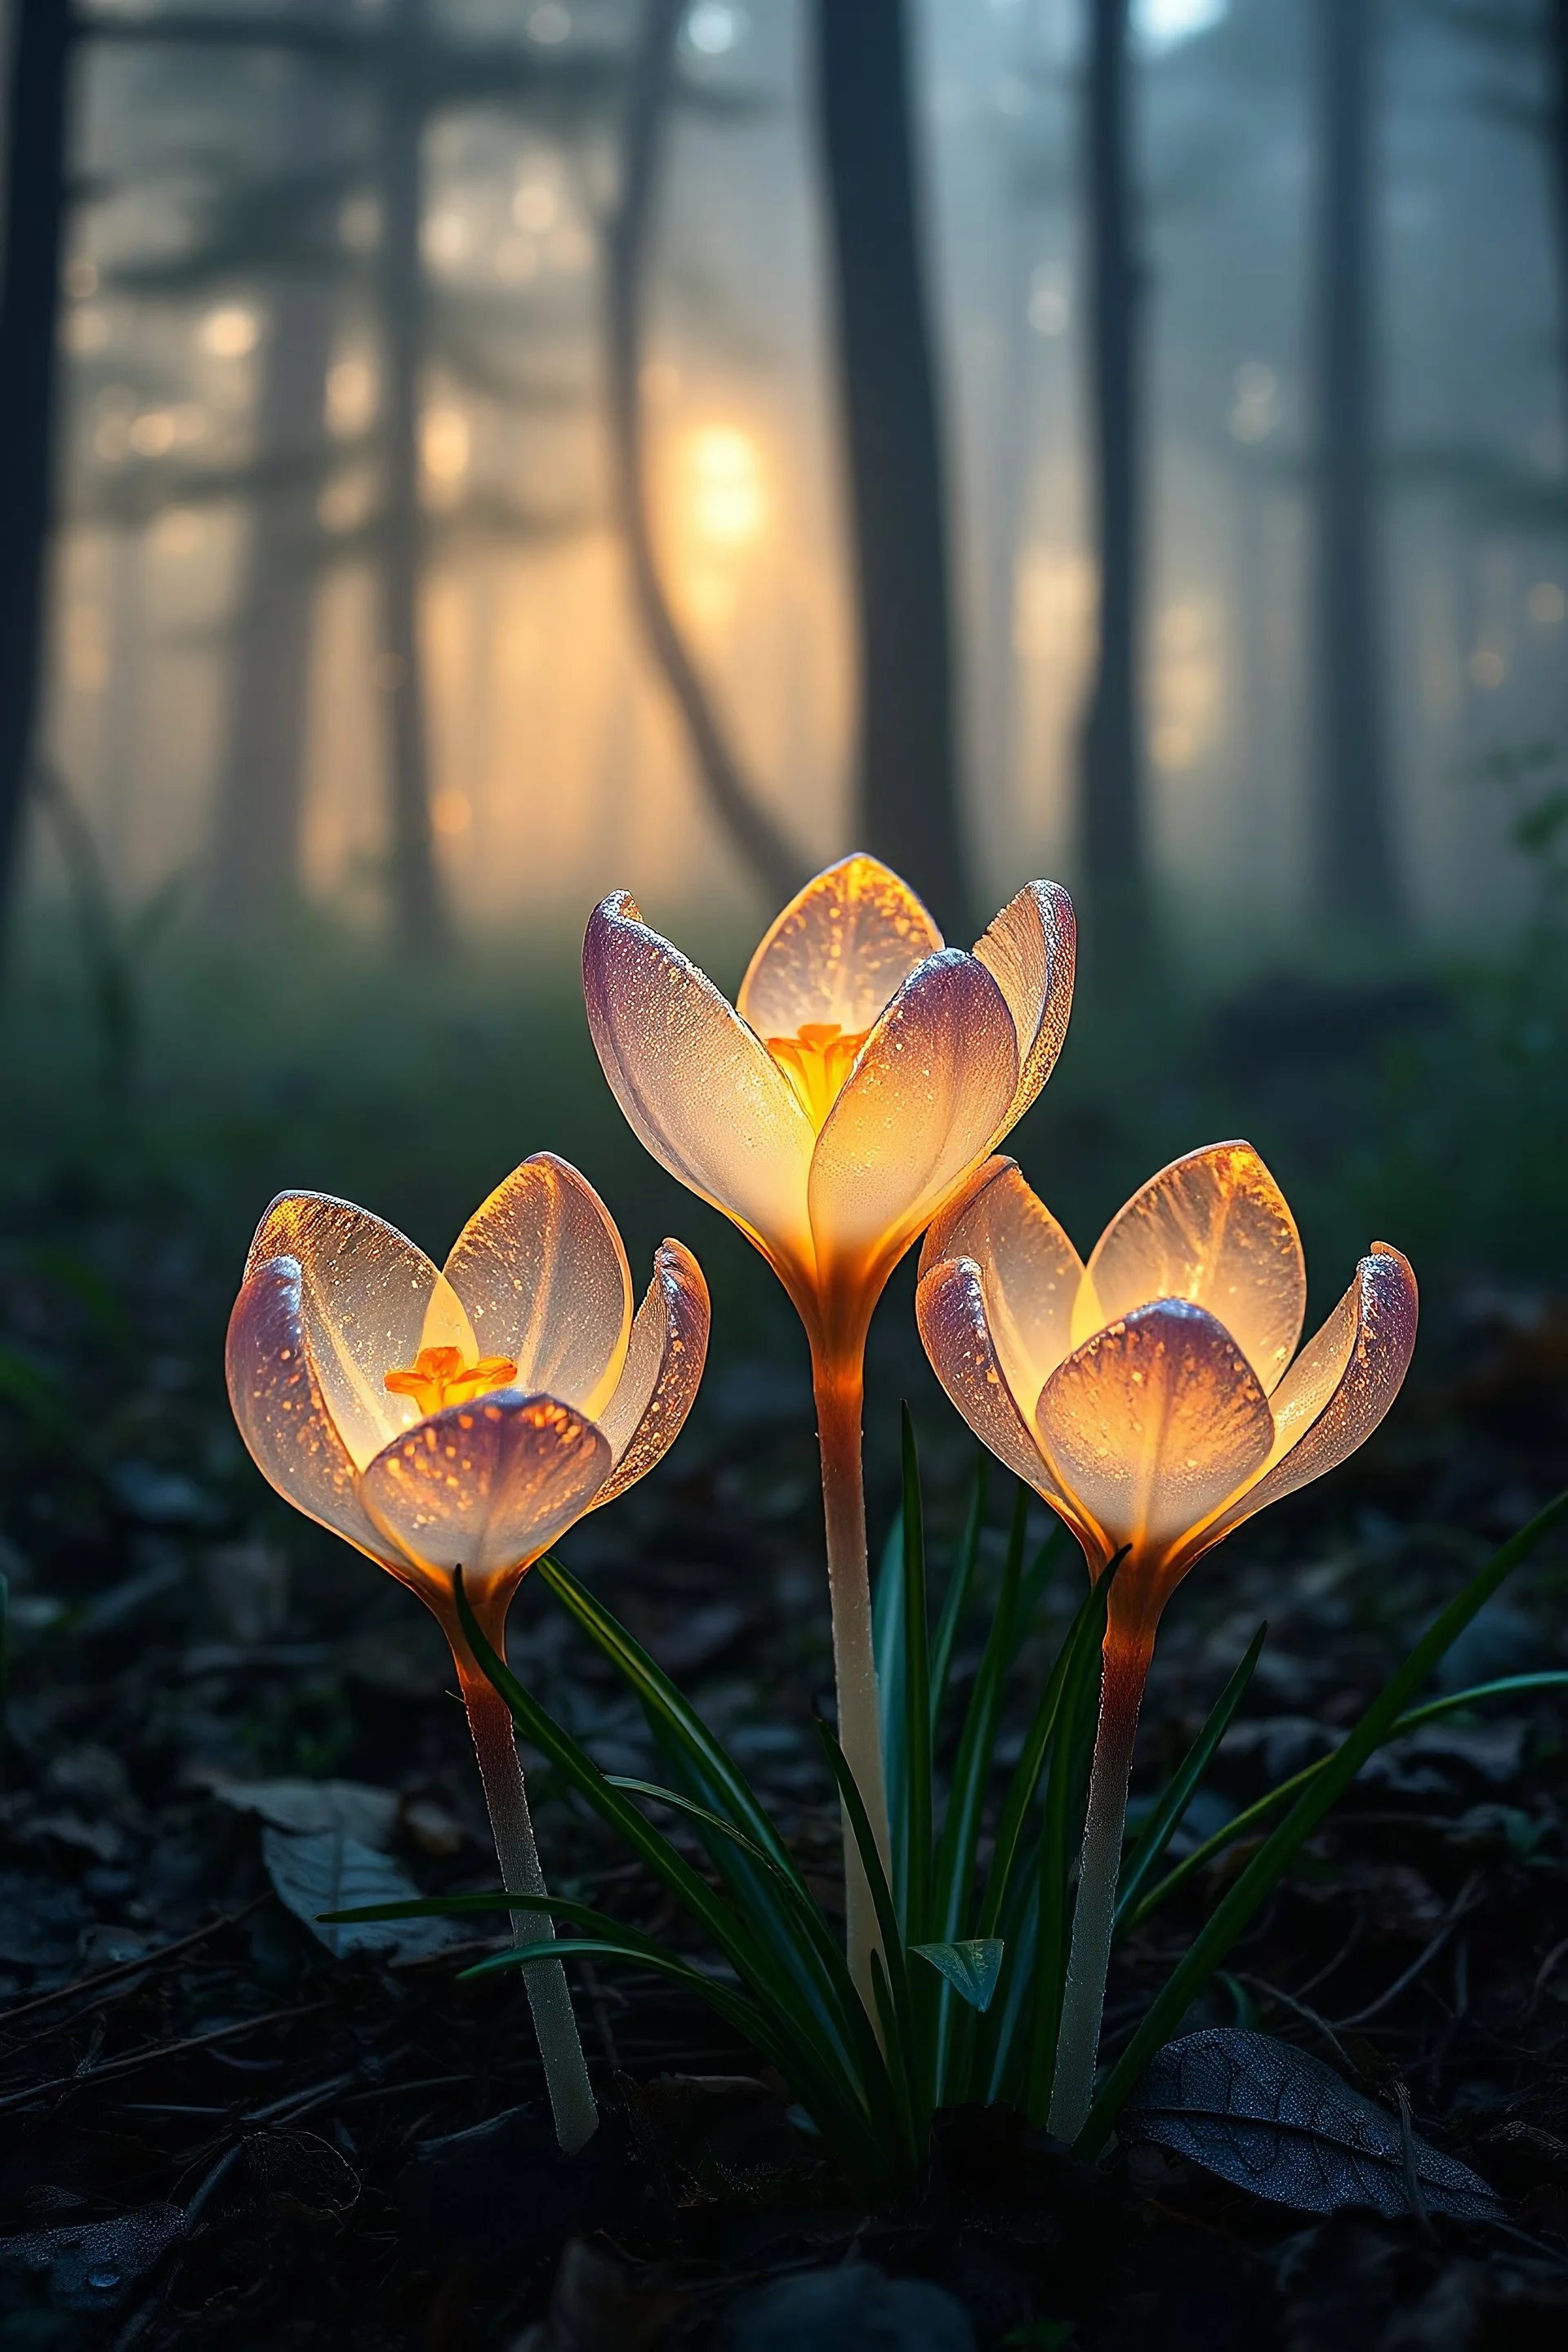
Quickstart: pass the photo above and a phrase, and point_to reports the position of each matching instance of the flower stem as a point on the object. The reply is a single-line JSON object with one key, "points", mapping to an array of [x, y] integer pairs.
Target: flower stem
{"points": [[838, 1385], [1124, 1670], [560, 2045]]}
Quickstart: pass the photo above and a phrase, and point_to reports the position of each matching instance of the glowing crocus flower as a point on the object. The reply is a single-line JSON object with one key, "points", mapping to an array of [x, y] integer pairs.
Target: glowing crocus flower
{"points": [[466, 1416], [863, 1072], [1155, 1400]]}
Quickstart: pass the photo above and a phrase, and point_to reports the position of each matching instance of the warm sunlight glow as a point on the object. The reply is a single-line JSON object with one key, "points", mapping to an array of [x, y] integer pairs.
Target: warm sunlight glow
{"points": [[451, 812], [230, 333], [444, 444], [727, 495]]}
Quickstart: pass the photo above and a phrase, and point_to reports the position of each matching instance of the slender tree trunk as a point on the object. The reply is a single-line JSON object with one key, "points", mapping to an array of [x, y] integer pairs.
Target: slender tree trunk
{"points": [[260, 803], [418, 912], [36, 138], [1354, 859], [759, 843], [1112, 824], [1556, 31], [908, 802]]}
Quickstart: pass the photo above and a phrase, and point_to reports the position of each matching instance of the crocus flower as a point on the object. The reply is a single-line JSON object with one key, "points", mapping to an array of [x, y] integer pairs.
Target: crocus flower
{"points": [[467, 1417], [864, 1071], [1155, 1400]]}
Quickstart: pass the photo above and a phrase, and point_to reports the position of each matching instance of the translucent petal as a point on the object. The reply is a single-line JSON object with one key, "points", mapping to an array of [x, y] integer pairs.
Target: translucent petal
{"points": [[950, 1309], [706, 1098], [1153, 1423], [486, 1486], [664, 1367], [1342, 1383], [1030, 950], [370, 1301], [926, 1095], [1212, 1228], [541, 1272], [838, 953], [1031, 1271], [278, 1406]]}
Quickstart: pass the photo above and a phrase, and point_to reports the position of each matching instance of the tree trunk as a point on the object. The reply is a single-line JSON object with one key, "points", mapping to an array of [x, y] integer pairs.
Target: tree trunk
{"points": [[1112, 824], [1556, 29], [907, 804], [418, 913], [29, 294], [751, 831], [1353, 852], [260, 804]]}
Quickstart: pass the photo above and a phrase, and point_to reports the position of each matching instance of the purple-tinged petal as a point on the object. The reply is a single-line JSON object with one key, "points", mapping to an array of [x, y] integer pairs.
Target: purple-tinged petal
{"points": [[700, 1090], [1152, 1423], [279, 1408], [1030, 950], [370, 1301], [950, 1309], [1031, 1272], [1342, 1383], [486, 1486], [925, 1096], [663, 1370]]}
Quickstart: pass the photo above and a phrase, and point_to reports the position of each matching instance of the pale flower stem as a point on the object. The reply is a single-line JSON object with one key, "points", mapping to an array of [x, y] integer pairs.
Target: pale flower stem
{"points": [[560, 2045], [838, 1401], [1078, 2045]]}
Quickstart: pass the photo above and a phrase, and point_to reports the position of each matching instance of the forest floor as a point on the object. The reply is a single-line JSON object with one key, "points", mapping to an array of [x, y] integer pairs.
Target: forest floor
{"points": [[216, 2130]]}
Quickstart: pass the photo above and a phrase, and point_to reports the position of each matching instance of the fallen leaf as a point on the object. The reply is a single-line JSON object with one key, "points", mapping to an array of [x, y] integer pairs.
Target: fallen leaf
{"points": [[359, 1810], [325, 1871], [1270, 2119]]}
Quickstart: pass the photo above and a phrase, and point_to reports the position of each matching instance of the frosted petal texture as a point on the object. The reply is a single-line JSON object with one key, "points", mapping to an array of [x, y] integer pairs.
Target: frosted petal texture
{"points": [[486, 1485], [838, 953], [926, 1096], [369, 1301], [663, 1369], [1213, 1229], [280, 1409], [708, 1100], [541, 1272], [1031, 948], [1153, 1423], [1029, 1269], [950, 1309]]}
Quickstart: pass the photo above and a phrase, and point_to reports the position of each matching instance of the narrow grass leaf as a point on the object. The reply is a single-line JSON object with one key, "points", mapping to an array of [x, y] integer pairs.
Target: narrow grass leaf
{"points": [[1166, 1818], [1238, 1903], [955, 1599], [913, 1884]]}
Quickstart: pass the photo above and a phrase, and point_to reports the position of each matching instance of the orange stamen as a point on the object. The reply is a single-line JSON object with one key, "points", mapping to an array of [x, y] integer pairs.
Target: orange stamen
{"points": [[816, 1061], [438, 1376]]}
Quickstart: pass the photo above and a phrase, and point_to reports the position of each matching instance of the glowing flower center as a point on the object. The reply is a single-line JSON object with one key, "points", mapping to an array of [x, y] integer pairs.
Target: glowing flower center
{"points": [[439, 1377], [816, 1061]]}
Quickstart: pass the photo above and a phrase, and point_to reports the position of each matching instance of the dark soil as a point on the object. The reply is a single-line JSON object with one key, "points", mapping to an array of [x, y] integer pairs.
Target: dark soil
{"points": [[215, 2131]]}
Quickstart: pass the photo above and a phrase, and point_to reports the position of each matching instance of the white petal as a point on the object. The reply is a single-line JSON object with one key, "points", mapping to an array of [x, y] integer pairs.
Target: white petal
{"points": [[485, 1487], [1030, 950], [704, 1095], [1031, 1272], [663, 1371], [918, 1109], [370, 1301], [1212, 1228], [542, 1273], [838, 953], [280, 1409]]}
